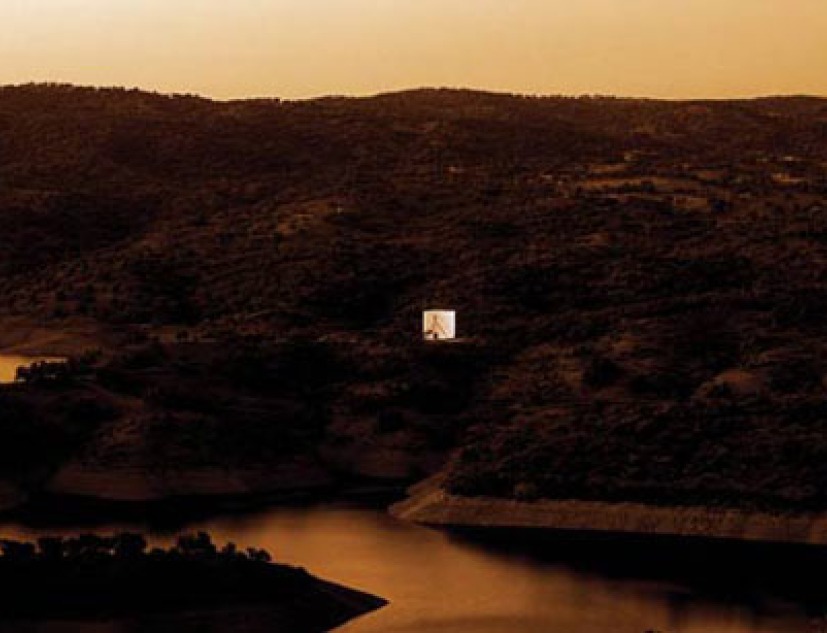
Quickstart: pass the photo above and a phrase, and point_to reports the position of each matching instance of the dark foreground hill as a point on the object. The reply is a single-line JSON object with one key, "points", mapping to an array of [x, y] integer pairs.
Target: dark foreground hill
{"points": [[641, 287], [191, 586]]}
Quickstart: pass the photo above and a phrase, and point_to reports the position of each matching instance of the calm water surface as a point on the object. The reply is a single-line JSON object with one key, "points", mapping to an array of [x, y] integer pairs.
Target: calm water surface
{"points": [[443, 583], [10, 363]]}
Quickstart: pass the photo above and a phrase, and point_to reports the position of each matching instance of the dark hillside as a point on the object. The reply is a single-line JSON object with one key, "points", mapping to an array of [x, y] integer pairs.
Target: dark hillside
{"points": [[641, 282]]}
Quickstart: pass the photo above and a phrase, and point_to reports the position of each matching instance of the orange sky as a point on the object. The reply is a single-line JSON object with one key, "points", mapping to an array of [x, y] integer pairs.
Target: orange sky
{"points": [[303, 48]]}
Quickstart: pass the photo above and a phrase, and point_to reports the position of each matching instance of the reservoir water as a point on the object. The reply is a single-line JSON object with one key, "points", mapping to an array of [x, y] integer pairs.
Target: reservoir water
{"points": [[9, 365], [439, 582]]}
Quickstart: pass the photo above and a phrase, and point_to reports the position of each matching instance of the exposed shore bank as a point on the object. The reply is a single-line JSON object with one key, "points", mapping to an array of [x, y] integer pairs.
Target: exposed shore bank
{"points": [[142, 484], [49, 506], [69, 337], [429, 504]]}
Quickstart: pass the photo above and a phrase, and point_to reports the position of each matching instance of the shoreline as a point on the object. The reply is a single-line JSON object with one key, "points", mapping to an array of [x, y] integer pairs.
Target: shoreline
{"points": [[95, 579], [61, 337], [50, 507], [428, 504]]}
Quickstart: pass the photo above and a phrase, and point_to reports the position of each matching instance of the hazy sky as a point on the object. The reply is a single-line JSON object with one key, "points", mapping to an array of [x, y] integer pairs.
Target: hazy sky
{"points": [[301, 48]]}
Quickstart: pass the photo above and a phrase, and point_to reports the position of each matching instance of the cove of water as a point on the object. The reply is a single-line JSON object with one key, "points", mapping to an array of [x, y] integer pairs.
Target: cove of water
{"points": [[440, 582], [9, 364]]}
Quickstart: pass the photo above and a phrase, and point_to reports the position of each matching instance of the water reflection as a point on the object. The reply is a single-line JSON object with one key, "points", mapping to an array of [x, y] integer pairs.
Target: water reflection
{"points": [[441, 582], [9, 364]]}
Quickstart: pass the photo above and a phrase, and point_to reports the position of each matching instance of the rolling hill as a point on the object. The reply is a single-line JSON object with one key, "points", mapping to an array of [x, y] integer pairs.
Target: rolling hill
{"points": [[639, 284]]}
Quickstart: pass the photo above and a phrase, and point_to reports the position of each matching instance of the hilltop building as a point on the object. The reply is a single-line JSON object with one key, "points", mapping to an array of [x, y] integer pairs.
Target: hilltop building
{"points": [[439, 325]]}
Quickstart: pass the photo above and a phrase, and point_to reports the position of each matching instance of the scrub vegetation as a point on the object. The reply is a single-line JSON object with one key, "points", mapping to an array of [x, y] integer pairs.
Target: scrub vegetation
{"points": [[92, 577], [640, 286]]}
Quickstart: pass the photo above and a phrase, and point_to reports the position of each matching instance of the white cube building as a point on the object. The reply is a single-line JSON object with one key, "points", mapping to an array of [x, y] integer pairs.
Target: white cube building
{"points": [[439, 325]]}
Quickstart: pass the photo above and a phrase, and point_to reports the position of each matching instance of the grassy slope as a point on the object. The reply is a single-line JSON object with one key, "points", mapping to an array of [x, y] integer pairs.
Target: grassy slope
{"points": [[643, 280]]}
